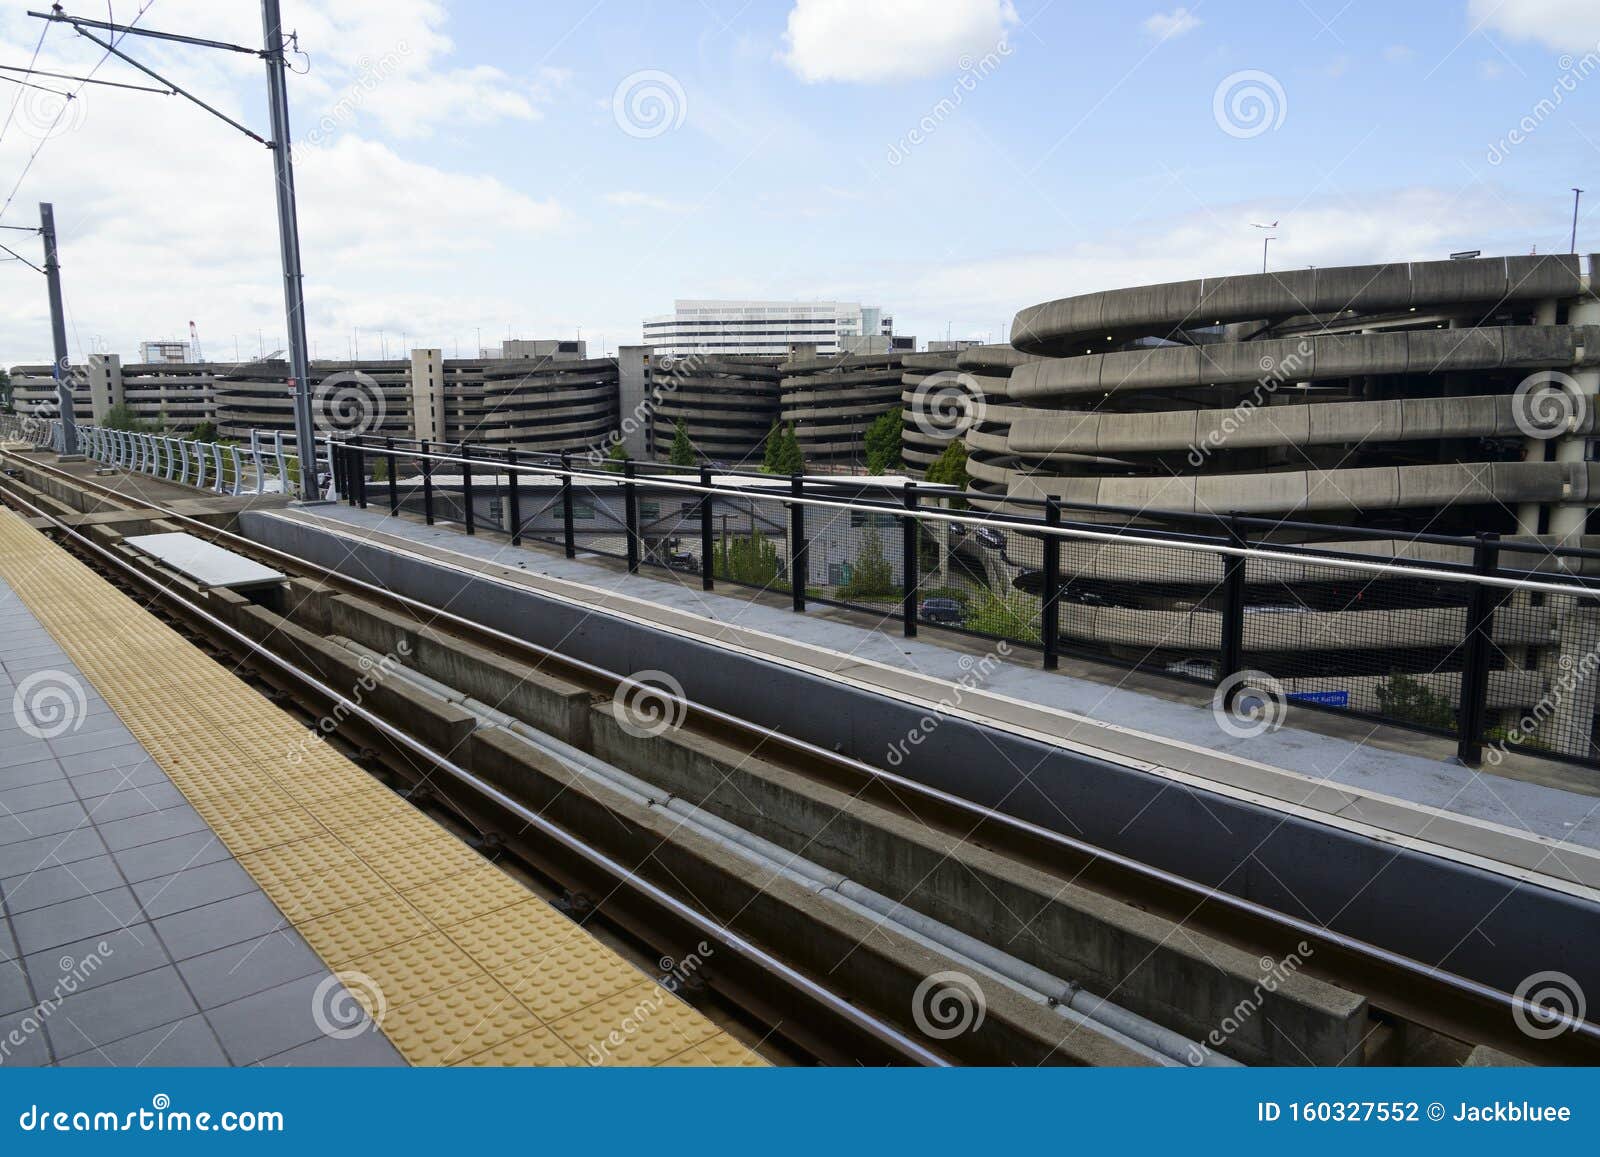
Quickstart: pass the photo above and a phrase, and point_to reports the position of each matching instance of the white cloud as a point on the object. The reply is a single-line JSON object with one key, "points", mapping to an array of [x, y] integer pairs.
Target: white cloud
{"points": [[1557, 24], [1398, 225], [166, 214], [887, 40], [632, 199], [1166, 25], [1398, 53]]}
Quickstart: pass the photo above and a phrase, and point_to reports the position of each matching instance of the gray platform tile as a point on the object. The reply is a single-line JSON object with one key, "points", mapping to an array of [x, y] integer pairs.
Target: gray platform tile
{"points": [[27, 855], [193, 887], [22, 1041], [107, 1014], [63, 882], [72, 920], [127, 802], [45, 821], [187, 1043], [103, 739], [151, 828], [243, 969], [124, 757], [8, 943], [41, 771], [14, 992], [164, 857], [270, 1022], [24, 751], [96, 961], [29, 797], [370, 1049], [214, 926], [94, 784]]}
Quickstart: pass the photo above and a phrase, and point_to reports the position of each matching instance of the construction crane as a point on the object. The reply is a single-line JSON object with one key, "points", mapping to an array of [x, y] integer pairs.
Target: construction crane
{"points": [[194, 344]]}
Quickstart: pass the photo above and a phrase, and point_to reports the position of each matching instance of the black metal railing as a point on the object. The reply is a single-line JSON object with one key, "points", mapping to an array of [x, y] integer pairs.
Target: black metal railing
{"points": [[1459, 643]]}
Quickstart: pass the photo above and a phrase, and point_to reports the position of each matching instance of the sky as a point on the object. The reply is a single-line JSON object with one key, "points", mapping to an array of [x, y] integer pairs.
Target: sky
{"points": [[559, 169]]}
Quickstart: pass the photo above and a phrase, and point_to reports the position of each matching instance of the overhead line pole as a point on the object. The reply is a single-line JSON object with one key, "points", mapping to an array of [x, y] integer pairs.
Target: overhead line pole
{"points": [[58, 330], [289, 241], [272, 52]]}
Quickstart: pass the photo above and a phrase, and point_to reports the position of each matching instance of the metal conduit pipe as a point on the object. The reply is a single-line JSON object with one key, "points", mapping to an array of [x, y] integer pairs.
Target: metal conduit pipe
{"points": [[1067, 998]]}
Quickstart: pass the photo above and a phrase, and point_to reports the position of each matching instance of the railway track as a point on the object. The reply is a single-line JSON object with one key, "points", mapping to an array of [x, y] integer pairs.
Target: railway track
{"points": [[1401, 992]]}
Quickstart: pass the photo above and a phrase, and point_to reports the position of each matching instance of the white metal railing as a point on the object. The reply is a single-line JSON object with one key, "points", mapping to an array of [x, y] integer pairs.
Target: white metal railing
{"points": [[268, 465]]}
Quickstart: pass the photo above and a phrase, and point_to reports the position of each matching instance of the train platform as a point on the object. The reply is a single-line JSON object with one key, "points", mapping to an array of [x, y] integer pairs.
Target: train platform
{"points": [[1401, 789], [186, 879]]}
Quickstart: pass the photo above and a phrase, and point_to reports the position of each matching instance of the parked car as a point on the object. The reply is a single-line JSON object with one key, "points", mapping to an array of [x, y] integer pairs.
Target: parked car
{"points": [[683, 560], [992, 539], [939, 610]]}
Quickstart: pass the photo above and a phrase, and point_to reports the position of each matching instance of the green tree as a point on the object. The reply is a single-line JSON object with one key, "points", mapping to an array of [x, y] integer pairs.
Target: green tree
{"points": [[1405, 698], [205, 432], [615, 457], [682, 453], [950, 467], [782, 454], [121, 417], [870, 576], [883, 442], [751, 559]]}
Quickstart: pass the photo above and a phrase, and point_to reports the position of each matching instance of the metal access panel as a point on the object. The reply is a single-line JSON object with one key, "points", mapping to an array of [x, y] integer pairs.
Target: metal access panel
{"points": [[205, 563]]}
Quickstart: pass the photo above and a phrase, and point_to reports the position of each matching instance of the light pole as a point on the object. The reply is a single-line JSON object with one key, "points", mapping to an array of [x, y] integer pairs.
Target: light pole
{"points": [[1577, 194], [1265, 240]]}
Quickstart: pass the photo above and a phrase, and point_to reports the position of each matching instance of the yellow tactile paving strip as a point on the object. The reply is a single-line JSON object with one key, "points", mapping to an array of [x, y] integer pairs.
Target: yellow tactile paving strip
{"points": [[473, 968]]}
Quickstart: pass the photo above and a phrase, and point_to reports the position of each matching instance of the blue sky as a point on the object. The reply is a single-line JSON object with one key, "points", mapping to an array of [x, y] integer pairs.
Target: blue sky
{"points": [[471, 168]]}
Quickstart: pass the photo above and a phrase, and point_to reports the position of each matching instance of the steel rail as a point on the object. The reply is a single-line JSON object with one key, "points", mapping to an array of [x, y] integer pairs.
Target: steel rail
{"points": [[821, 999], [1411, 989]]}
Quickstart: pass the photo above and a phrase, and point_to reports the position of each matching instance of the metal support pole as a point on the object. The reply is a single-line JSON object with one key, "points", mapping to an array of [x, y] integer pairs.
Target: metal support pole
{"points": [[630, 514], [1230, 659], [908, 564], [1477, 649], [707, 561], [427, 485], [797, 543], [514, 496], [289, 244], [468, 515], [569, 535], [59, 370], [392, 465], [361, 475], [1050, 609]]}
